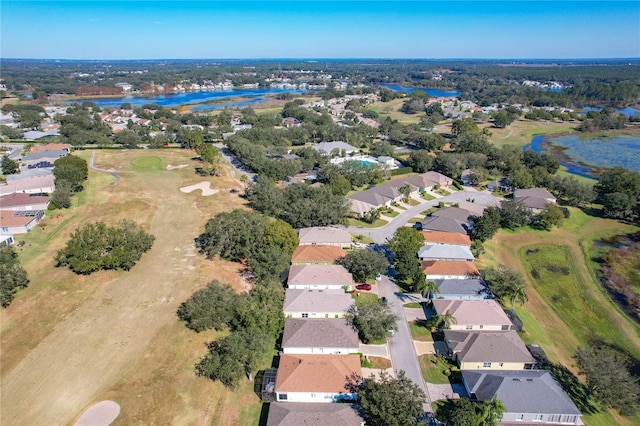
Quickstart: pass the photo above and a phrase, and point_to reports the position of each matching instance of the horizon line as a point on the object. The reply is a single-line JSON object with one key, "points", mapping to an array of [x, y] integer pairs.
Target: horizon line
{"points": [[622, 58]]}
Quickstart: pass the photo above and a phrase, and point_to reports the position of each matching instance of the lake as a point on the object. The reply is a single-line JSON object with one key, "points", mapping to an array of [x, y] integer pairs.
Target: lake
{"points": [[580, 150], [628, 111], [177, 99], [438, 93]]}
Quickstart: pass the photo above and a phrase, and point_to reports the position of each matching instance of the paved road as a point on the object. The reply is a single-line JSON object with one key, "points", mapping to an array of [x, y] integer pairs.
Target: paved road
{"points": [[382, 234], [237, 168], [403, 353], [110, 171]]}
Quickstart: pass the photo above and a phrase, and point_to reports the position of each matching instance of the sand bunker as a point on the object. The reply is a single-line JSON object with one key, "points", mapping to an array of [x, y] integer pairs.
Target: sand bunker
{"points": [[205, 187], [180, 166], [101, 414]]}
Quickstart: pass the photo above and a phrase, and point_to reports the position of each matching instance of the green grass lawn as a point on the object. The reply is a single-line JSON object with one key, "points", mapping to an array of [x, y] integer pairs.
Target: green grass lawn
{"points": [[562, 171], [389, 212], [413, 202], [427, 196], [412, 305], [392, 109], [363, 298], [434, 369], [420, 332], [362, 224], [146, 163], [552, 270], [363, 239]]}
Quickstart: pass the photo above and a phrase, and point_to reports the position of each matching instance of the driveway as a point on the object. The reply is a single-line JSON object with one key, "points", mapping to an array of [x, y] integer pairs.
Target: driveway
{"points": [[237, 169], [401, 348], [382, 234]]}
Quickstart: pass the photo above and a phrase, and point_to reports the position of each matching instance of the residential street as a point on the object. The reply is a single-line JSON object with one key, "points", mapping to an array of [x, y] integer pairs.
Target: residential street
{"points": [[403, 354], [382, 234]]}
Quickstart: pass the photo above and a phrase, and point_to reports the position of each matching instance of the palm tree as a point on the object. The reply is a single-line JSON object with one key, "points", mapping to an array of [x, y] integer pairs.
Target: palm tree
{"points": [[517, 294], [405, 190], [428, 289], [448, 319]]}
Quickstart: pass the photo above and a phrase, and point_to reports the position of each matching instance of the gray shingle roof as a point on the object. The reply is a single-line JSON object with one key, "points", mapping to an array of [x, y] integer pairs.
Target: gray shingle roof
{"points": [[488, 346], [319, 333], [462, 288], [328, 147], [319, 301], [312, 414], [444, 224], [45, 154], [531, 391], [455, 213], [445, 252]]}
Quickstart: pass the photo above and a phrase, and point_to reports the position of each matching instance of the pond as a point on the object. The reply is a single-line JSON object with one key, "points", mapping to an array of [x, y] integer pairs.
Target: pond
{"points": [[578, 152]]}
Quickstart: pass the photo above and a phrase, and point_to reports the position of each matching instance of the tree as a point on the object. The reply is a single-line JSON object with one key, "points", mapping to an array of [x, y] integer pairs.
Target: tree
{"points": [[61, 197], [9, 166], [96, 246], [503, 283], [461, 126], [232, 235], [279, 234], [211, 157], [210, 307], [609, 379], [502, 119], [382, 148], [365, 264], [619, 204], [486, 226], [192, 140], [127, 138], [374, 320], [517, 294], [71, 169], [420, 161], [551, 216], [405, 190], [12, 276], [390, 401], [514, 214], [405, 245], [464, 412], [447, 320], [238, 354], [428, 288]]}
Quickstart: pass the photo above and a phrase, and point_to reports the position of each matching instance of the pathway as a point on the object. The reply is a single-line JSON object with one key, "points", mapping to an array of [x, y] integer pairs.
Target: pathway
{"points": [[236, 165], [112, 172]]}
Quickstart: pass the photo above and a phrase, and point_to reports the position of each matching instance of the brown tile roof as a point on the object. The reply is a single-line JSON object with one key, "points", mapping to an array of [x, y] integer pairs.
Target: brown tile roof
{"points": [[21, 199], [313, 414], [449, 267], [319, 333], [317, 254], [446, 238], [11, 218], [316, 373], [50, 147]]}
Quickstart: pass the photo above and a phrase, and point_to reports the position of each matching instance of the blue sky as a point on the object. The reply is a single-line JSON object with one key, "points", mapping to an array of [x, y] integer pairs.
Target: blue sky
{"points": [[319, 29]]}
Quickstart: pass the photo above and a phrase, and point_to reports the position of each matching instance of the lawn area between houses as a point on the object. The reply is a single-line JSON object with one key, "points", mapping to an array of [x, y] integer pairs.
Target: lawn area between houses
{"points": [[419, 331], [362, 224], [114, 334], [567, 306], [392, 109], [520, 132], [437, 370]]}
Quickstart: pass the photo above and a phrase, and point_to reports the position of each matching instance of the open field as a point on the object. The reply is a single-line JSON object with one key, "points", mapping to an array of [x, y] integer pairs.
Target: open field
{"points": [[392, 109], [69, 341], [567, 307], [520, 132]]}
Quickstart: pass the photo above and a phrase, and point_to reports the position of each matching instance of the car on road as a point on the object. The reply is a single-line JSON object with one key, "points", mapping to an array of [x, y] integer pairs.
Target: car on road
{"points": [[364, 287]]}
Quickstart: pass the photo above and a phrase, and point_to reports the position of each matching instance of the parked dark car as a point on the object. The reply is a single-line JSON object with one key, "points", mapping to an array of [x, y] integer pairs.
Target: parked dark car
{"points": [[363, 286]]}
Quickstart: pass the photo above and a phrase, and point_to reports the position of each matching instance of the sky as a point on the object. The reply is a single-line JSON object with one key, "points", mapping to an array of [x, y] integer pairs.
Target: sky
{"points": [[319, 29]]}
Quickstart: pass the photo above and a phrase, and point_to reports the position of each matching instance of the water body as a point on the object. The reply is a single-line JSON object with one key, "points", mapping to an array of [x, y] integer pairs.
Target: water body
{"points": [[189, 98], [628, 111], [579, 152], [439, 93]]}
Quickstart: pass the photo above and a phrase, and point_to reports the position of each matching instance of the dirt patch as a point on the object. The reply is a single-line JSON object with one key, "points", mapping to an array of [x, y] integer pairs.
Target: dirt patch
{"points": [[205, 187], [178, 167], [101, 414], [379, 362]]}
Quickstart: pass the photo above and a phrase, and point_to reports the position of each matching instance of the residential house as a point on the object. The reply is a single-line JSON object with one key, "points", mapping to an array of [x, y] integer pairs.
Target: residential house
{"points": [[328, 148], [324, 235], [486, 315], [319, 277], [474, 209], [309, 414], [501, 184], [331, 336], [21, 201], [299, 303], [6, 240], [445, 252], [465, 176], [473, 289], [449, 270], [33, 135], [44, 159], [443, 224], [460, 215], [535, 199], [439, 178], [529, 397], [16, 222], [317, 254], [291, 122], [488, 350], [441, 237], [316, 378], [29, 185]]}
